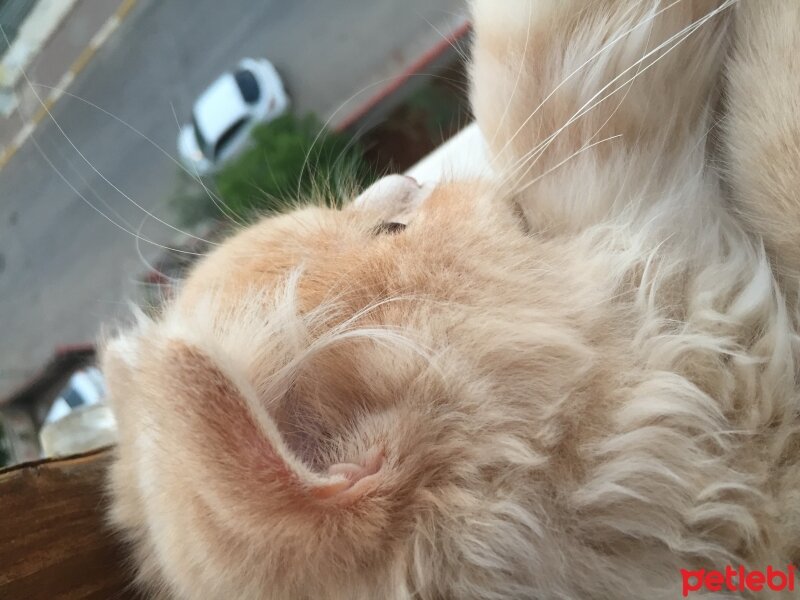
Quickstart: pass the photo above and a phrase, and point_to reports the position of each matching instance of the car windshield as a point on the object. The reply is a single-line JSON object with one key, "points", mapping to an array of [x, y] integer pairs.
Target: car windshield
{"points": [[226, 137], [247, 85], [201, 141]]}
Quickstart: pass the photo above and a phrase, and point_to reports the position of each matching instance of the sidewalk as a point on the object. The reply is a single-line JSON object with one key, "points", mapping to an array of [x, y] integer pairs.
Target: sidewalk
{"points": [[61, 38]]}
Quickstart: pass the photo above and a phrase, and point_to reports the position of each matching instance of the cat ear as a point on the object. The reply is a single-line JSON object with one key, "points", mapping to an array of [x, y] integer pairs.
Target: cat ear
{"points": [[220, 420], [394, 197]]}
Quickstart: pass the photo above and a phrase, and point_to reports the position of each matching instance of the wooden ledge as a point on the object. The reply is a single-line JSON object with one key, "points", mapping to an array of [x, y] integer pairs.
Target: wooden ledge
{"points": [[54, 543]]}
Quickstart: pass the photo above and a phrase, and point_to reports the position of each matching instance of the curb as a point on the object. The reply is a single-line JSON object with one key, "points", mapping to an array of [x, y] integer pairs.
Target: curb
{"points": [[397, 83], [80, 63]]}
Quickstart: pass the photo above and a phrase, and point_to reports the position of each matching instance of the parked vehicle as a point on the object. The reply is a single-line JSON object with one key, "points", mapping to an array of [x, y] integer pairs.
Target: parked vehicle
{"points": [[85, 387], [227, 111], [79, 419]]}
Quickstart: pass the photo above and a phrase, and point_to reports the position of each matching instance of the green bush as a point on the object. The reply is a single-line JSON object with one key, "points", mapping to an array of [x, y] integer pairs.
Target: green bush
{"points": [[291, 160]]}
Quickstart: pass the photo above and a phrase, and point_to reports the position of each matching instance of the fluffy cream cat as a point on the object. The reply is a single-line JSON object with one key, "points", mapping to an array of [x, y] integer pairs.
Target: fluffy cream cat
{"points": [[571, 381]]}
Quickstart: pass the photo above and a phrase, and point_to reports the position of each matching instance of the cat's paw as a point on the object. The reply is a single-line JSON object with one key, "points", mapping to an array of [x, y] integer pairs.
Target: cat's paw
{"points": [[393, 199], [567, 92], [762, 127], [515, 17]]}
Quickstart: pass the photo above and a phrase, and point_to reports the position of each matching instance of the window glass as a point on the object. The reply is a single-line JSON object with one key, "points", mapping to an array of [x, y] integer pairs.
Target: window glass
{"points": [[247, 85], [226, 137]]}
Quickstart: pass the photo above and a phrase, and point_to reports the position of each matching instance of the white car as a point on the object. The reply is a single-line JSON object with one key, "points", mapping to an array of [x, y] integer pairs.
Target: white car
{"points": [[85, 388], [79, 419], [227, 111]]}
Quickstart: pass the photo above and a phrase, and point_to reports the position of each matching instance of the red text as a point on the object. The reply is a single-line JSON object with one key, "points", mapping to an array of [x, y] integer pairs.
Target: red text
{"points": [[738, 580]]}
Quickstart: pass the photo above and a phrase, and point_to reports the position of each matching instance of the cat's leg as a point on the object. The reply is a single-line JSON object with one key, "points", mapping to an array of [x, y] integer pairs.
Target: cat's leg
{"points": [[589, 106], [763, 127], [762, 130]]}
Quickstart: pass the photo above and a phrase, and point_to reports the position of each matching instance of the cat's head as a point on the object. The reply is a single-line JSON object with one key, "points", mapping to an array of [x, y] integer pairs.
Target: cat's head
{"points": [[316, 411]]}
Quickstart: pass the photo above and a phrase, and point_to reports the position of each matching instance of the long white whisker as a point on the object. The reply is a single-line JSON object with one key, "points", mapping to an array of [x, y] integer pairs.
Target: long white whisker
{"points": [[47, 111], [139, 252], [602, 126], [588, 106], [91, 188], [580, 67], [138, 132], [461, 53], [351, 143], [220, 204], [626, 176], [330, 119], [97, 210], [570, 157], [522, 65], [69, 184]]}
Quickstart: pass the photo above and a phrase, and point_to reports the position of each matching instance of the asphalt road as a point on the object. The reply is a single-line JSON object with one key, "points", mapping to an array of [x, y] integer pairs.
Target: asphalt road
{"points": [[64, 268]]}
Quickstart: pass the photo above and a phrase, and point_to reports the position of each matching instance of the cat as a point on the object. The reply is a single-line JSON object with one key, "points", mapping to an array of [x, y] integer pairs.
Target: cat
{"points": [[574, 379]]}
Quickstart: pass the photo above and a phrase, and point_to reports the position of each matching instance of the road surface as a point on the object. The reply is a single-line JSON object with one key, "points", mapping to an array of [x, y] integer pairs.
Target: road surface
{"points": [[64, 268]]}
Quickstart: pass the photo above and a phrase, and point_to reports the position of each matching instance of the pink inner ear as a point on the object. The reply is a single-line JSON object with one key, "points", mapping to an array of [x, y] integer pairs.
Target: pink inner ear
{"points": [[213, 413], [358, 477]]}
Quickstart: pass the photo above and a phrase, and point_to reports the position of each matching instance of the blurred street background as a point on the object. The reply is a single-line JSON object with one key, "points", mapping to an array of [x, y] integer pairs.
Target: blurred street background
{"points": [[69, 171]]}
